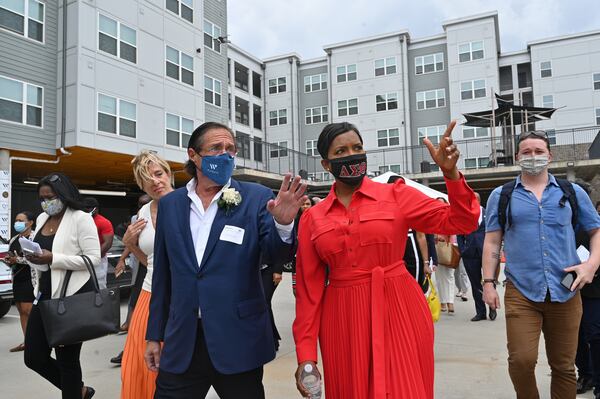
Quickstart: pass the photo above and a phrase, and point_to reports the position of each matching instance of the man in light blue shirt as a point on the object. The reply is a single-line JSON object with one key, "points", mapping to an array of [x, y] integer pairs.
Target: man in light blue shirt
{"points": [[539, 246]]}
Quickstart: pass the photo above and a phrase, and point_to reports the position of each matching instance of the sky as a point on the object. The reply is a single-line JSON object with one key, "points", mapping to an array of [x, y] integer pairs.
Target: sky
{"points": [[267, 28]]}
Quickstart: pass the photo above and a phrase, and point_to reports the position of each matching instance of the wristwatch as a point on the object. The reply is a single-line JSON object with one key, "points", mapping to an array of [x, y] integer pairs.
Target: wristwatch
{"points": [[490, 280]]}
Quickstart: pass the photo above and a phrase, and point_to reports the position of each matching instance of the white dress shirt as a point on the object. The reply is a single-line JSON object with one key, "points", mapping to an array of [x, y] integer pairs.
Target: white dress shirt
{"points": [[201, 221]]}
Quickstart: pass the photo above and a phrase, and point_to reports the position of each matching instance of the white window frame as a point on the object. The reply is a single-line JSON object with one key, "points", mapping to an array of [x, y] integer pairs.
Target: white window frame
{"points": [[420, 62], [542, 69], [213, 91], [320, 176], [388, 99], [180, 66], [347, 107], [346, 73], [181, 4], [472, 89], [311, 150], [551, 133], [596, 81], [395, 168], [118, 39], [25, 104], [548, 101], [597, 116], [470, 51], [117, 116], [423, 132], [274, 83], [431, 95], [477, 132], [388, 62], [280, 149], [318, 79], [310, 114], [478, 162], [215, 33], [180, 129], [388, 137], [280, 114], [26, 18]]}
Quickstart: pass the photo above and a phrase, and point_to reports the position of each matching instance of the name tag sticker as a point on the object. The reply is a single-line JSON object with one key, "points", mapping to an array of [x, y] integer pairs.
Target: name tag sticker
{"points": [[232, 234]]}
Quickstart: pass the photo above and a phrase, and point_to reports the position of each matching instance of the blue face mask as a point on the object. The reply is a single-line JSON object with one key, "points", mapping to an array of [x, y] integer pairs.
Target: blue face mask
{"points": [[20, 227], [218, 168]]}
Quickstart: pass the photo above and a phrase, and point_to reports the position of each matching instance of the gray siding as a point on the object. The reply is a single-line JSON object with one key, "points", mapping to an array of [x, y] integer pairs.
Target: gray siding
{"points": [[215, 65], [33, 62], [310, 100]]}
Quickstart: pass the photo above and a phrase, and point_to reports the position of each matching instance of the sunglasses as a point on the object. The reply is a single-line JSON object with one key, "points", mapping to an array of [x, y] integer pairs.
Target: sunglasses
{"points": [[535, 133], [54, 178]]}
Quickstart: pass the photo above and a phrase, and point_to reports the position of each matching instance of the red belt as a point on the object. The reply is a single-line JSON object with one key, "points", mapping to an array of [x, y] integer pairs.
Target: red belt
{"points": [[376, 277]]}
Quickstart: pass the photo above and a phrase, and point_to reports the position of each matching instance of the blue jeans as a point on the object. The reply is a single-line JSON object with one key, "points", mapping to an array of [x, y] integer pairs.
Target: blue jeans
{"points": [[588, 350]]}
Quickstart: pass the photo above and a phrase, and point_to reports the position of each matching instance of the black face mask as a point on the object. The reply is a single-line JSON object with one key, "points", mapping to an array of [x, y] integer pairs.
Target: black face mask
{"points": [[349, 170]]}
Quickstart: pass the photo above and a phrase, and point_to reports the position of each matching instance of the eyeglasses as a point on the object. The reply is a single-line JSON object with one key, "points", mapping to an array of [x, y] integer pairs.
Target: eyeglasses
{"points": [[537, 133]]}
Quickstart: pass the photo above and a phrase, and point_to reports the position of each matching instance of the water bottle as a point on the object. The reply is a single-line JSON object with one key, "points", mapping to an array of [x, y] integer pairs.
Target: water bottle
{"points": [[311, 381]]}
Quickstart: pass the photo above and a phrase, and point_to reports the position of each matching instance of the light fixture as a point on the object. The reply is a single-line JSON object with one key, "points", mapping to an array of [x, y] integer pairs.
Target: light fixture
{"points": [[570, 164], [103, 192], [32, 182]]}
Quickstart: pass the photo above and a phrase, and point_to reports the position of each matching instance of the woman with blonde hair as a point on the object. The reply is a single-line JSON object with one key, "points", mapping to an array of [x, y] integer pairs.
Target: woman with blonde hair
{"points": [[153, 175]]}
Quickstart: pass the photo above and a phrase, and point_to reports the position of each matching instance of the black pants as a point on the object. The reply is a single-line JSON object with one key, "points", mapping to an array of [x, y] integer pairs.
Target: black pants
{"points": [[473, 268], [64, 372], [269, 288], [588, 349], [201, 375]]}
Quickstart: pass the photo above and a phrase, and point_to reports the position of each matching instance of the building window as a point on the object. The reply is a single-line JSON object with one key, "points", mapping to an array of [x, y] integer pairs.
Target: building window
{"points": [[212, 33], [180, 66], [277, 85], [551, 133], [24, 17], [241, 76], [257, 116], [470, 51], [385, 66], [433, 133], [597, 81], [256, 84], [390, 168], [472, 132], [431, 99], [183, 8], [472, 89], [317, 115], [212, 91], [179, 130], [386, 102], [346, 73], [279, 150], [242, 111], [476, 163], [348, 107], [21, 102], [311, 148], [597, 116], [116, 116], [388, 137], [319, 176], [315, 83], [429, 63], [258, 149], [548, 101], [278, 117], [117, 39], [242, 142], [546, 69]]}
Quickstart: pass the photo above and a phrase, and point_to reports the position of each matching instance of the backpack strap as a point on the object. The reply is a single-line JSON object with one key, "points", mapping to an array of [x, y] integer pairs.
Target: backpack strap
{"points": [[503, 209], [570, 196]]}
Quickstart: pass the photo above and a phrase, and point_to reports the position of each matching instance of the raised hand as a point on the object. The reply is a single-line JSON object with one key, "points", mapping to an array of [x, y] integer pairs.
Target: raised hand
{"points": [[446, 154], [285, 207]]}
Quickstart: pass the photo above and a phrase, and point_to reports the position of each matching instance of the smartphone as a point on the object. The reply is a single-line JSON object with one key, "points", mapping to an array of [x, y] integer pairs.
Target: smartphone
{"points": [[568, 280]]}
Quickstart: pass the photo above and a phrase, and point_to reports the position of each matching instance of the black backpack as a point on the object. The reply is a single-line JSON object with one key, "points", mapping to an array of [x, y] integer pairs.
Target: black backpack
{"points": [[566, 186]]}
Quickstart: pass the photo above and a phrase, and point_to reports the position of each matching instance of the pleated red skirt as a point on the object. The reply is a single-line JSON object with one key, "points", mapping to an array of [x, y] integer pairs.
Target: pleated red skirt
{"points": [[137, 382], [347, 348]]}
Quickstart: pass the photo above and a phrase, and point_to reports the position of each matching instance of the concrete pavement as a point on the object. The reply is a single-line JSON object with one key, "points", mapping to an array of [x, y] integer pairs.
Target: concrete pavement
{"points": [[470, 359]]}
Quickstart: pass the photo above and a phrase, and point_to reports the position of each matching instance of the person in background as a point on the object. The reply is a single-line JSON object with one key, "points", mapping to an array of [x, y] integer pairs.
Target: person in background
{"points": [[64, 232], [106, 235], [152, 175], [138, 273], [271, 271], [306, 205], [21, 272], [445, 275], [461, 279]]}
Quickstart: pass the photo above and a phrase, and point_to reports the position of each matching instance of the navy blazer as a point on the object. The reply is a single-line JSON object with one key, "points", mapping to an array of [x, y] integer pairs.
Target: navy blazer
{"points": [[226, 286], [471, 245]]}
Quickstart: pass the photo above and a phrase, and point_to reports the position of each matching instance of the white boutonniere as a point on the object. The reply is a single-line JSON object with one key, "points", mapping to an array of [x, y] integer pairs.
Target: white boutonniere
{"points": [[229, 199]]}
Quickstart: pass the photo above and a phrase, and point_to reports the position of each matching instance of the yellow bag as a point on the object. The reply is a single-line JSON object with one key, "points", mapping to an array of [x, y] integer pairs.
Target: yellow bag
{"points": [[433, 300]]}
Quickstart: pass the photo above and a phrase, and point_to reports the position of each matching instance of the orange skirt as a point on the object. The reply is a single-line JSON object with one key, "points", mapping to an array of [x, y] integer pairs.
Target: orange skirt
{"points": [[137, 382]]}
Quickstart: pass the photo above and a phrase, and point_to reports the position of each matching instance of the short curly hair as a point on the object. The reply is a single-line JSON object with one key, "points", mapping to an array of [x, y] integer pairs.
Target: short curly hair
{"points": [[141, 165]]}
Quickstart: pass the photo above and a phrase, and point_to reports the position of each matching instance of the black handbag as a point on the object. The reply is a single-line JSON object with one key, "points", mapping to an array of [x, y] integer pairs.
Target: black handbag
{"points": [[80, 317]]}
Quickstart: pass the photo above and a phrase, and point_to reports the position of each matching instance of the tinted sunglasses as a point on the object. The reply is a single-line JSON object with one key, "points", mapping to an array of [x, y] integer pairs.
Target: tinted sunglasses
{"points": [[534, 133]]}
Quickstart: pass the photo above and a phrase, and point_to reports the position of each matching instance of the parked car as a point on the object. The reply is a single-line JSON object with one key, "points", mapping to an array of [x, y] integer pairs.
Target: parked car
{"points": [[6, 288], [123, 282]]}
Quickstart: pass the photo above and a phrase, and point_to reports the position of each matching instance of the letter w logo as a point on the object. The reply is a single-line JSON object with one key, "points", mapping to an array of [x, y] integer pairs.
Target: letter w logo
{"points": [[213, 166]]}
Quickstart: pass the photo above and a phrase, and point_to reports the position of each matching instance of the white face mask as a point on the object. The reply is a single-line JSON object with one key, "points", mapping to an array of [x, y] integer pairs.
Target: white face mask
{"points": [[534, 165]]}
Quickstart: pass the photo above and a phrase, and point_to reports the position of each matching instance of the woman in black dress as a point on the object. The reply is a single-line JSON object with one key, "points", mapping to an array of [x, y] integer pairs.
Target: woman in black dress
{"points": [[21, 272]]}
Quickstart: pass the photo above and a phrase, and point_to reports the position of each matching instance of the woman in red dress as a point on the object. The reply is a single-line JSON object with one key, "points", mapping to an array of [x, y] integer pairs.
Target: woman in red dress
{"points": [[372, 321]]}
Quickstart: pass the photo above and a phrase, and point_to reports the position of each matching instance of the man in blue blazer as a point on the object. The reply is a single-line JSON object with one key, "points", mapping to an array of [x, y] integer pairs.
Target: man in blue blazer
{"points": [[471, 251], [208, 307]]}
